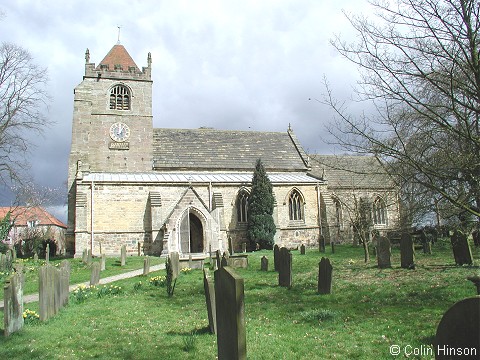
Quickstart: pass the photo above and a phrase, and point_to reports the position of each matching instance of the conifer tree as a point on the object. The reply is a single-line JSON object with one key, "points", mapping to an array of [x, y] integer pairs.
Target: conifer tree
{"points": [[261, 227]]}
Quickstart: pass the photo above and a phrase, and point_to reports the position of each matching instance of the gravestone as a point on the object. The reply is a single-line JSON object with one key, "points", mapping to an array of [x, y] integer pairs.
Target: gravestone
{"points": [[146, 266], [64, 282], [324, 276], [190, 262], [102, 262], [406, 252], [3, 262], [13, 304], [230, 245], [285, 268], [264, 264], [123, 255], [210, 256], [426, 243], [276, 257], [321, 244], [224, 261], [139, 248], [35, 257], [175, 263], [383, 252], [238, 261], [332, 244], [85, 256], [89, 256], [459, 329], [47, 254], [302, 249], [209, 288], [461, 249], [230, 311], [218, 259], [46, 291], [244, 247], [95, 274]]}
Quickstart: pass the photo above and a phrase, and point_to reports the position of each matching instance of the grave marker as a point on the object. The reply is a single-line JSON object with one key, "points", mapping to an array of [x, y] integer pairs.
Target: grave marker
{"points": [[146, 266], [459, 329], [95, 274], [47, 254], [461, 249], [276, 257], [383, 252], [406, 252], [302, 249], [209, 288], [230, 311], [321, 244], [46, 291], [102, 262], [13, 304], [264, 264], [123, 255], [175, 263], [285, 268], [324, 276], [85, 256], [244, 247]]}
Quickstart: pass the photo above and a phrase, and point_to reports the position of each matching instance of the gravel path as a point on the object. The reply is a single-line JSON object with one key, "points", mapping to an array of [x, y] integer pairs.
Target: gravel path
{"points": [[34, 297]]}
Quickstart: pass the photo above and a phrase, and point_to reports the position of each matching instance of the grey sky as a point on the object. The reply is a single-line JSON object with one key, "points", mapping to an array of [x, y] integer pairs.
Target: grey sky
{"points": [[223, 64]]}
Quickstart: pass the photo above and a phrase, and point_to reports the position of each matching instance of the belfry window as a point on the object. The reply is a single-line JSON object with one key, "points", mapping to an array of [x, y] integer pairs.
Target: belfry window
{"points": [[120, 98], [379, 212], [242, 207], [295, 206]]}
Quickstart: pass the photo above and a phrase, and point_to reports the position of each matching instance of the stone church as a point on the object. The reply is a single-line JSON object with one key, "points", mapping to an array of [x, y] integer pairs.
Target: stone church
{"points": [[162, 190]]}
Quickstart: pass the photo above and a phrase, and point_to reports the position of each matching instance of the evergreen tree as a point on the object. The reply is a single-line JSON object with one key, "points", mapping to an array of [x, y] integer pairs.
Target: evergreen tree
{"points": [[261, 227]]}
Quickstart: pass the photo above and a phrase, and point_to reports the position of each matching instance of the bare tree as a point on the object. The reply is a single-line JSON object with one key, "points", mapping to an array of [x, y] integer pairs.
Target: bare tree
{"points": [[419, 64], [23, 99]]}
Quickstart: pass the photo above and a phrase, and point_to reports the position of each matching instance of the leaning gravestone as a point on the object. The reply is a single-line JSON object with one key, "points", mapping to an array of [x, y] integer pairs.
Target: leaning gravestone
{"points": [[123, 255], [175, 262], [13, 304], [264, 264], [302, 249], [146, 266], [459, 331], [383, 252], [285, 268], [230, 310], [95, 275], [276, 257], [406, 252], [324, 276], [209, 288], [461, 249]]}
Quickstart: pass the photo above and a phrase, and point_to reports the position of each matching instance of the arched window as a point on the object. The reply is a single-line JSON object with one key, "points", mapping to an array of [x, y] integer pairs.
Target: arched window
{"points": [[338, 213], [295, 206], [120, 98], [242, 206], [379, 212]]}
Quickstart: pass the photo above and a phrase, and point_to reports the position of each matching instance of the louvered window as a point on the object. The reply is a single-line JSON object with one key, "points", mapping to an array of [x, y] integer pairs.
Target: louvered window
{"points": [[120, 98]]}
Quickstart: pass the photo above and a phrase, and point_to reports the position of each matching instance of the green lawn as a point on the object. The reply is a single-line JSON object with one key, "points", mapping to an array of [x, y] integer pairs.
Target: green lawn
{"points": [[368, 311]]}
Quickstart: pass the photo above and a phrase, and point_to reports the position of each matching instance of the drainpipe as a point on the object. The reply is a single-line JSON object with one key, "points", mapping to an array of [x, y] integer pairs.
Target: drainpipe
{"points": [[91, 217], [319, 208]]}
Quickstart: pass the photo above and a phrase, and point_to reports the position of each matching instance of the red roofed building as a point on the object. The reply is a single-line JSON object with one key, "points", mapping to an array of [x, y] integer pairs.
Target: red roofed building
{"points": [[34, 220]]}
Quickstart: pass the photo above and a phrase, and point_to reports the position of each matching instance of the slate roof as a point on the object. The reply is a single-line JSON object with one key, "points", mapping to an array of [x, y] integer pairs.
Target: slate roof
{"points": [[22, 214], [210, 149], [118, 55], [350, 171]]}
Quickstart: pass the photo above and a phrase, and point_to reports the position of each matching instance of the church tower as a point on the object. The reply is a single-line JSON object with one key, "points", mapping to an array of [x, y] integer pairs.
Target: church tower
{"points": [[112, 128]]}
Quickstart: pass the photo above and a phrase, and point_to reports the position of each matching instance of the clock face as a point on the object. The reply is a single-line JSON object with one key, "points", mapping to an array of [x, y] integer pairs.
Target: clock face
{"points": [[119, 132]]}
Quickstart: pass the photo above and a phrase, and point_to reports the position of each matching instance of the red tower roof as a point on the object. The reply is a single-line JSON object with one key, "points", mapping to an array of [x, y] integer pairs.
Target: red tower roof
{"points": [[118, 55]]}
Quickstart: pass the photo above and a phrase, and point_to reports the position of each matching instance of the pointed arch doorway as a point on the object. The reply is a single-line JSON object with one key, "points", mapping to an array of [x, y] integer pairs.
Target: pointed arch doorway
{"points": [[191, 233]]}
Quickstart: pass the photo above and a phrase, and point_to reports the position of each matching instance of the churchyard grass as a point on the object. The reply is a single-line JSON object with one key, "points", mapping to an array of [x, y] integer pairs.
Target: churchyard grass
{"points": [[369, 310], [80, 272]]}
